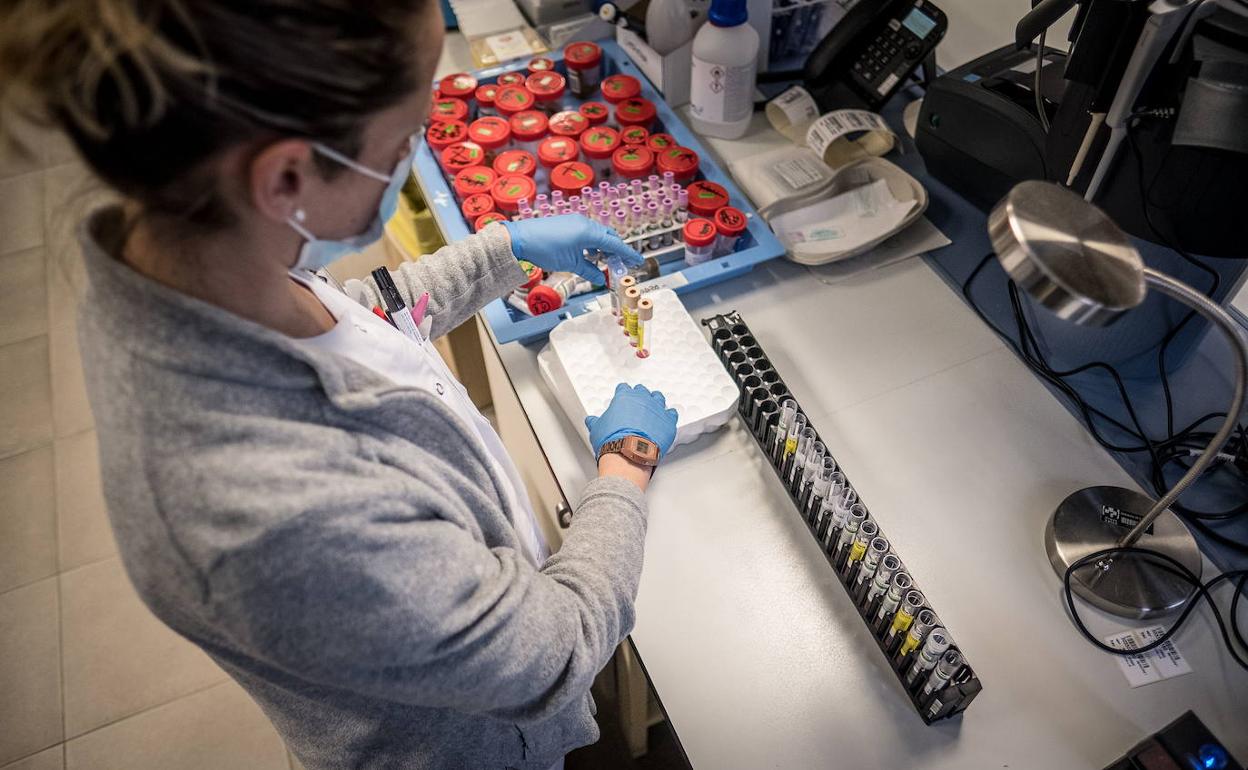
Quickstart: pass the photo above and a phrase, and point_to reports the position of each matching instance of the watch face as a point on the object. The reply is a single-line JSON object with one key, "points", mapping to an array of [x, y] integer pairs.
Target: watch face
{"points": [[642, 449]]}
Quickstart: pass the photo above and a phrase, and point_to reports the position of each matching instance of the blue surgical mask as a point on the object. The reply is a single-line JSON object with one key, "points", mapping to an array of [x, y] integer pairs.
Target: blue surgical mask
{"points": [[317, 253]]}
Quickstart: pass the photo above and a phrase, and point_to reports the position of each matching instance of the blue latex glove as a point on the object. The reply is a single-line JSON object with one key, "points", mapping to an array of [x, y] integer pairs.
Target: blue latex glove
{"points": [[634, 411], [556, 244]]}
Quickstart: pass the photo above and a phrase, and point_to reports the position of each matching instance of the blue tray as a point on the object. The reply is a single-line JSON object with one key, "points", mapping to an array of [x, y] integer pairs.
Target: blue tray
{"points": [[758, 244]]}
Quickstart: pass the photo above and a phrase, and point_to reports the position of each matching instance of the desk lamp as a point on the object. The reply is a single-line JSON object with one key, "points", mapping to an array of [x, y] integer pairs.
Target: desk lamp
{"points": [[1071, 258]]}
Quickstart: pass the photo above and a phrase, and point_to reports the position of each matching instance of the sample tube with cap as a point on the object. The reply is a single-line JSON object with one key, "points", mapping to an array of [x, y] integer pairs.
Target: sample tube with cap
{"points": [[877, 586], [948, 665], [791, 442], [903, 617], [625, 283], [924, 621], [797, 463], [805, 479], [933, 648], [632, 297], [857, 550], [827, 509], [645, 328], [819, 488], [699, 236], [866, 568], [775, 440], [615, 273], [898, 587], [853, 522]]}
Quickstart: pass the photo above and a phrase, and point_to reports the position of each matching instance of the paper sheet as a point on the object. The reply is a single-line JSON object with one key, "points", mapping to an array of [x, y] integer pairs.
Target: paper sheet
{"points": [[842, 223], [919, 238], [1160, 664]]}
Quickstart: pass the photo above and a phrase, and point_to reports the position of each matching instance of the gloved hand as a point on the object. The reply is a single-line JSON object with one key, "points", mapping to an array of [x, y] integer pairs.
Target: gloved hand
{"points": [[555, 244], [634, 411]]}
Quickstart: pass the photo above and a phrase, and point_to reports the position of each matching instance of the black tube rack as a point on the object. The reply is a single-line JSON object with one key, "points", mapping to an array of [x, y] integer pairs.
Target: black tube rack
{"points": [[760, 385]]}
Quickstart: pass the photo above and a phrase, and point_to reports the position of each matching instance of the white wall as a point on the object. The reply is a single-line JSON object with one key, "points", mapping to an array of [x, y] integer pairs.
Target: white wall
{"points": [[978, 26]]}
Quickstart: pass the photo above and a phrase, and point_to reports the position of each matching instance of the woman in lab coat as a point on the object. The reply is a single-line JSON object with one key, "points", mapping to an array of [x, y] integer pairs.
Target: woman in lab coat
{"points": [[296, 486]]}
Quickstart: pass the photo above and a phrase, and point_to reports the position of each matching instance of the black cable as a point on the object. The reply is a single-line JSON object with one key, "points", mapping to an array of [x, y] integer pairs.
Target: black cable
{"points": [[1202, 591]]}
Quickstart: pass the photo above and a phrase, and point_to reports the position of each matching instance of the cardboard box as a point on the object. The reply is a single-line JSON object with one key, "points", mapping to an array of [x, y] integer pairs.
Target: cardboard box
{"points": [[669, 74]]}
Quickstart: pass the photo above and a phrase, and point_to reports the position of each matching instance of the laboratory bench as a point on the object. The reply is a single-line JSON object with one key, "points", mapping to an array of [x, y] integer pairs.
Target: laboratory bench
{"points": [[749, 640]]}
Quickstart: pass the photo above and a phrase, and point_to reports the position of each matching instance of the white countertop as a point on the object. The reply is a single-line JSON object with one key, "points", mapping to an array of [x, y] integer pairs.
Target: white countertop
{"points": [[754, 648]]}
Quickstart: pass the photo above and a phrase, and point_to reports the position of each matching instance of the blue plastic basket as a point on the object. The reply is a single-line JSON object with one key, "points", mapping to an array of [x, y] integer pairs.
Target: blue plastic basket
{"points": [[757, 244]]}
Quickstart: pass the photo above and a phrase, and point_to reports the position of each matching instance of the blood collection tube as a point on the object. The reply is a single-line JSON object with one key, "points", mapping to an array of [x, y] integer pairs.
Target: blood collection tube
{"points": [[819, 486], [775, 440], [901, 620], [645, 327], [870, 563], [666, 208], [948, 665], [880, 580], [626, 282], [924, 621], [898, 587], [853, 522], [632, 296], [619, 221], [933, 648], [637, 219], [804, 478], [857, 550]]}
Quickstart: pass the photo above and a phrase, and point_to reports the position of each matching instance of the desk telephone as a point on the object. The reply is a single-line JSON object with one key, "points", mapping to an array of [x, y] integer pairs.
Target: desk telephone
{"points": [[871, 51]]}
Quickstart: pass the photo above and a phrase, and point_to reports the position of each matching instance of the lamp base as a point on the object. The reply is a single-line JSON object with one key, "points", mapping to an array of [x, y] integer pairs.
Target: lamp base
{"points": [[1128, 585]]}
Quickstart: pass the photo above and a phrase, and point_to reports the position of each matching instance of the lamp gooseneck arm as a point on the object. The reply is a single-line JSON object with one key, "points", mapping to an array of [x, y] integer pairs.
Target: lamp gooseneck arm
{"points": [[1239, 352]]}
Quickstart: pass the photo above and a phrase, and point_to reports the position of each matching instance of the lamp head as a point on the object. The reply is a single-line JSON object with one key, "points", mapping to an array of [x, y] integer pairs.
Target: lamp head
{"points": [[1066, 254]]}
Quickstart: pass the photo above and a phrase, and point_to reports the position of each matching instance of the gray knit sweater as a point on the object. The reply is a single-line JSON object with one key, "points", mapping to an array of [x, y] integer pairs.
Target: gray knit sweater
{"points": [[338, 543]]}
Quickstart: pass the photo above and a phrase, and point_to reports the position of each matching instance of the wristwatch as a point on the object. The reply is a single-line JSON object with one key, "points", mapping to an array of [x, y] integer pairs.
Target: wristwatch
{"points": [[634, 449]]}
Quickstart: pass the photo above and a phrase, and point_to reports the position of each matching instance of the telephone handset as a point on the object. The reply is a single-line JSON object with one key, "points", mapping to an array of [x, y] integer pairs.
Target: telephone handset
{"points": [[871, 52]]}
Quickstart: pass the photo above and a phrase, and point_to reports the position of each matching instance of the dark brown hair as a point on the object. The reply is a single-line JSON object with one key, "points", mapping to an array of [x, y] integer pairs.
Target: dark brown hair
{"points": [[148, 90]]}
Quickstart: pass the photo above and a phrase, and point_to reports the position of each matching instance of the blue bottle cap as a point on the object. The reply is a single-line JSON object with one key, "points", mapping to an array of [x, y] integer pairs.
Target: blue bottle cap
{"points": [[728, 13]]}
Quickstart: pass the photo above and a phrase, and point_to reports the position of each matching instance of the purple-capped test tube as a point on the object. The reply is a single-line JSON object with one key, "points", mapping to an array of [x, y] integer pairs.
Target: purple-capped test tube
{"points": [[619, 220], [669, 179], [637, 187], [587, 191], [604, 187], [556, 196], [652, 182], [543, 210], [583, 210], [523, 206], [637, 215], [604, 216], [652, 213], [539, 199], [682, 205]]}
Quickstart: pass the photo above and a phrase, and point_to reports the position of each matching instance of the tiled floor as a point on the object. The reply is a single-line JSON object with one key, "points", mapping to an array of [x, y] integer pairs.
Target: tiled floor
{"points": [[88, 678]]}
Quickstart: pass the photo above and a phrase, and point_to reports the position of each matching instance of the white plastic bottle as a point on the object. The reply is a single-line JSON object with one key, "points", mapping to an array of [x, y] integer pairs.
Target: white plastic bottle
{"points": [[725, 61]]}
